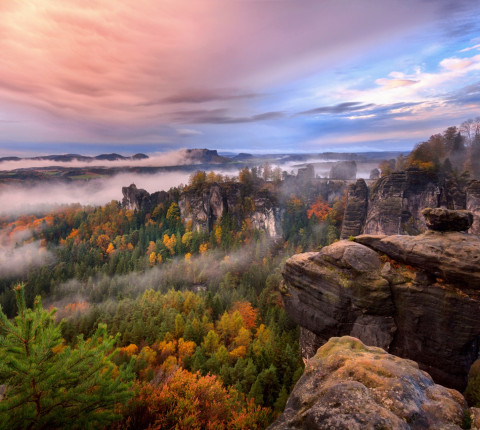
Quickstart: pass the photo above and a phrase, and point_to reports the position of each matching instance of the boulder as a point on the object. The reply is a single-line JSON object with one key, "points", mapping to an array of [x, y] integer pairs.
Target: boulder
{"points": [[441, 219], [348, 385]]}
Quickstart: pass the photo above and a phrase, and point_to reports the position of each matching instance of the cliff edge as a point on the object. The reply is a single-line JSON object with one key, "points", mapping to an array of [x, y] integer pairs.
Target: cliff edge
{"points": [[417, 297]]}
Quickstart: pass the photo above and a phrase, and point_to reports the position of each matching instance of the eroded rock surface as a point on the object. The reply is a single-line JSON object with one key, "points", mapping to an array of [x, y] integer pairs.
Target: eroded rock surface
{"points": [[473, 205], [350, 386], [356, 209], [441, 219], [139, 199], [416, 296], [394, 203]]}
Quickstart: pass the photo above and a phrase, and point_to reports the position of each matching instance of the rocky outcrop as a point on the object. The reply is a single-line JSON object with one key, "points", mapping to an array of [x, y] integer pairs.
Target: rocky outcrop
{"points": [[140, 199], [441, 219], [204, 156], [350, 386], [473, 205], [395, 202], [344, 170], [204, 207], [356, 209], [416, 296]]}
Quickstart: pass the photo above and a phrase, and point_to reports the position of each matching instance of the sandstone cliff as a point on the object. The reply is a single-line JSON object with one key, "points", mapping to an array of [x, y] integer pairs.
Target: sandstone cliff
{"points": [[203, 207], [416, 296], [393, 204], [473, 205], [140, 199], [350, 386]]}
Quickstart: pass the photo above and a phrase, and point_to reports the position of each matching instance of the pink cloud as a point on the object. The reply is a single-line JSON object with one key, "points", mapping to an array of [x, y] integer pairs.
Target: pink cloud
{"points": [[84, 66], [395, 83]]}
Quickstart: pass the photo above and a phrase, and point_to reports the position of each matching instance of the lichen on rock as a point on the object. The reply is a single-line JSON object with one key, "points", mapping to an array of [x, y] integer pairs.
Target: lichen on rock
{"points": [[348, 385]]}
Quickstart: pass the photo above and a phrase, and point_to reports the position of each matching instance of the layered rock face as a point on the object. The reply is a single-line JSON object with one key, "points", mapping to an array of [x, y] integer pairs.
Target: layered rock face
{"points": [[139, 199], [356, 209], [416, 296], [205, 207], [473, 205], [350, 386], [394, 203]]}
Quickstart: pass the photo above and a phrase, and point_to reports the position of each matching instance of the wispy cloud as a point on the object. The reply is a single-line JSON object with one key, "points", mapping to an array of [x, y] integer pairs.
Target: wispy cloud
{"points": [[116, 71], [340, 108]]}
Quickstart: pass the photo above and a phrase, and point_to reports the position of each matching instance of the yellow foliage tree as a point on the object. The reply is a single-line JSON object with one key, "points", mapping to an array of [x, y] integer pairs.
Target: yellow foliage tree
{"points": [[218, 235], [170, 243], [152, 258], [187, 238]]}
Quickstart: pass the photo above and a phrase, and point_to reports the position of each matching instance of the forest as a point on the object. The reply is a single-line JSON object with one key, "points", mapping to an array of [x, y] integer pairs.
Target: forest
{"points": [[179, 326], [192, 321]]}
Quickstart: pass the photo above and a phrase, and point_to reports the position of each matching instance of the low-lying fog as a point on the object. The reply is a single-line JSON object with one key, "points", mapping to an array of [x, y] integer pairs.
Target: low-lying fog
{"points": [[20, 199], [173, 158]]}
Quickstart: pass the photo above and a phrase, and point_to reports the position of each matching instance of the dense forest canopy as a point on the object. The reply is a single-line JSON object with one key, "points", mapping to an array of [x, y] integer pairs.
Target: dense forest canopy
{"points": [[189, 321]]}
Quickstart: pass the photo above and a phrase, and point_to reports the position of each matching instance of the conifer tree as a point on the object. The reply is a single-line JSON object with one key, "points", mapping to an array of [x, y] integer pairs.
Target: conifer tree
{"points": [[50, 385]]}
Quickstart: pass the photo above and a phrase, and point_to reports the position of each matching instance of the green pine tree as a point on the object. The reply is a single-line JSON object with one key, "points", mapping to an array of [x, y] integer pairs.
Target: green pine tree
{"points": [[50, 385]]}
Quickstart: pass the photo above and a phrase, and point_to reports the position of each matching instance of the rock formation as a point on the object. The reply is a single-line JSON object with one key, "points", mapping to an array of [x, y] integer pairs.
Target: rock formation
{"points": [[140, 199], [204, 156], [350, 386], [473, 205], [356, 209], [344, 170], [394, 203], [416, 296], [202, 208], [441, 219]]}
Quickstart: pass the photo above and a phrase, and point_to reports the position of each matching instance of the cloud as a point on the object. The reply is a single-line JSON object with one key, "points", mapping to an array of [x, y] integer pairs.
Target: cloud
{"points": [[453, 64], [188, 132], [470, 48], [203, 96], [340, 108], [361, 116], [90, 71], [219, 116], [395, 83]]}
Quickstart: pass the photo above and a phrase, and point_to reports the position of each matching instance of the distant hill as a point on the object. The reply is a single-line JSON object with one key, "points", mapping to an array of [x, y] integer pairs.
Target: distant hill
{"points": [[65, 158], [205, 156]]}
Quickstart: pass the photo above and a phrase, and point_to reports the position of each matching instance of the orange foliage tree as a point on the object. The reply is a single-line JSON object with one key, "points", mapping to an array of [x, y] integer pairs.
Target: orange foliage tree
{"points": [[188, 400], [320, 209]]}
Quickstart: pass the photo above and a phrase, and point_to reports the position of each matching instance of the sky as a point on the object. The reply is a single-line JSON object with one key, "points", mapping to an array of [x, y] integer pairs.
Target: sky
{"points": [[128, 76]]}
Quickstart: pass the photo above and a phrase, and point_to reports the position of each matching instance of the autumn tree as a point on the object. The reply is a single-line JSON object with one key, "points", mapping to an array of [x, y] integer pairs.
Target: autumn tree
{"points": [[320, 209], [50, 385], [197, 179], [188, 400]]}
